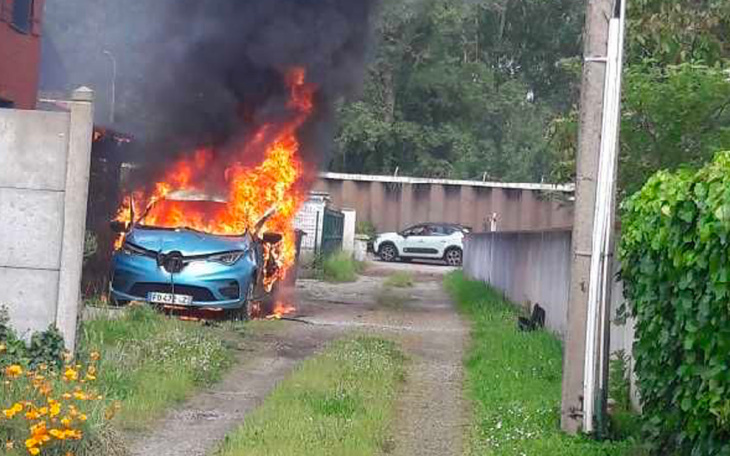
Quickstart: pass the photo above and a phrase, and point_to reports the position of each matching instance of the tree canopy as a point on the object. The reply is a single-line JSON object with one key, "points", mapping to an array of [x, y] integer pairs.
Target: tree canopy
{"points": [[489, 88], [463, 89]]}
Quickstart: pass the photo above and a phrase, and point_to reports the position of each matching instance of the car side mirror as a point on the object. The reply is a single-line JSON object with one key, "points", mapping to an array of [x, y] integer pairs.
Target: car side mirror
{"points": [[118, 227], [272, 238]]}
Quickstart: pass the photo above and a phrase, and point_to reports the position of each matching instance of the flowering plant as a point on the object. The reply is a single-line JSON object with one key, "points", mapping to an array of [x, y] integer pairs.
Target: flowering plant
{"points": [[47, 410]]}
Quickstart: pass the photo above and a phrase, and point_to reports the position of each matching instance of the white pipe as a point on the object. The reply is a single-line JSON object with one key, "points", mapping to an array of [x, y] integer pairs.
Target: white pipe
{"points": [[607, 270], [601, 224]]}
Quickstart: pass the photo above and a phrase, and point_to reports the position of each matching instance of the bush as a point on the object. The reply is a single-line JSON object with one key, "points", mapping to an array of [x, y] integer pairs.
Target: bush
{"points": [[341, 267], [674, 251], [366, 228], [45, 348]]}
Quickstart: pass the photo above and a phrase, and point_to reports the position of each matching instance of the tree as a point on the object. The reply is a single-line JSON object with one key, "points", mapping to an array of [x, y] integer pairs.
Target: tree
{"points": [[444, 99]]}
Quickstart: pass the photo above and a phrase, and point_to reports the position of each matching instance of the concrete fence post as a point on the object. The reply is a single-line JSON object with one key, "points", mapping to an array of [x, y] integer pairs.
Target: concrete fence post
{"points": [[74, 217], [348, 234]]}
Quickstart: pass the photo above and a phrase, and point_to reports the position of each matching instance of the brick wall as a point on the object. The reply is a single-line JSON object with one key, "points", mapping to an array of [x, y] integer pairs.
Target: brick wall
{"points": [[20, 55]]}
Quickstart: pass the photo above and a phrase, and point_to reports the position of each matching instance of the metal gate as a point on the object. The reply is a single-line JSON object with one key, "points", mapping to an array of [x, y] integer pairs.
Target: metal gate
{"points": [[333, 224]]}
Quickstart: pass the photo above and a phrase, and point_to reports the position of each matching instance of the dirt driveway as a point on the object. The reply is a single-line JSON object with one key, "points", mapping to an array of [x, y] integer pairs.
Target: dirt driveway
{"points": [[431, 412]]}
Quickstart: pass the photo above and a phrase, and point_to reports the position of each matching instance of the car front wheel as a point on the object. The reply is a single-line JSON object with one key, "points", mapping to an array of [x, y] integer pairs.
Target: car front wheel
{"points": [[248, 310], [454, 257], [388, 253]]}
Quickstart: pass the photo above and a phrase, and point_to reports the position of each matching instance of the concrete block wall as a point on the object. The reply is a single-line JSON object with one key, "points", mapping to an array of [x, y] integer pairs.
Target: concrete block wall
{"points": [[44, 178], [534, 267], [528, 268]]}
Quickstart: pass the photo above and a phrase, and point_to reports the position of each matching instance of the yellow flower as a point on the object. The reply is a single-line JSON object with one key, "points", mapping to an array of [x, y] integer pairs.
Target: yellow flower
{"points": [[34, 451], [3, 348], [66, 421], [14, 410], [95, 356], [82, 417], [71, 374], [13, 371], [66, 396]]}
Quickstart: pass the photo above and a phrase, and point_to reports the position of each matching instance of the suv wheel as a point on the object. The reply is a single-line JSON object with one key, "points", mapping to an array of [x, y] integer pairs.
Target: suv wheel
{"points": [[453, 257], [388, 253]]}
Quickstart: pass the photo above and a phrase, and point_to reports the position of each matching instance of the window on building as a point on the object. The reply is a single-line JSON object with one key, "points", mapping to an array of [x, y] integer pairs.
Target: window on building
{"points": [[22, 15]]}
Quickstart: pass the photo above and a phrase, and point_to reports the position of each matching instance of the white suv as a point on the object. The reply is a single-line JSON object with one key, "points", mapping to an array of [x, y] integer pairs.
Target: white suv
{"points": [[433, 241]]}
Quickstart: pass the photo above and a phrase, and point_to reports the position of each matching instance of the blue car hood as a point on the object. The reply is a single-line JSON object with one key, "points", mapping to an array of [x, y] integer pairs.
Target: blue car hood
{"points": [[187, 242]]}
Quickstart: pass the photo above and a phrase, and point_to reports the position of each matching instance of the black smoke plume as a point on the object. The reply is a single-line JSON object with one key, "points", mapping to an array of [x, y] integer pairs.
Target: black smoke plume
{"points": [[220, 67], [201, 72]]}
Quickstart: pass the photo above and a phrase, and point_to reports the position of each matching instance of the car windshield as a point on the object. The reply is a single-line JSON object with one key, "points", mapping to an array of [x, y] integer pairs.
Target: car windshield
{"points": [[196, 215]]}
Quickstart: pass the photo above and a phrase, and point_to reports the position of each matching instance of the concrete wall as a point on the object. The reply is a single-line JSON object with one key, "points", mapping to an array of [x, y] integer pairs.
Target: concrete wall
{"points": [[393, 203], [528, 268], [534, 268], [44, 176]]}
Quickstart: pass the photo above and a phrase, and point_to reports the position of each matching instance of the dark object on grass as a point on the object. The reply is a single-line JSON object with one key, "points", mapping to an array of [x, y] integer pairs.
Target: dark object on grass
{"points": [[536, 321]]}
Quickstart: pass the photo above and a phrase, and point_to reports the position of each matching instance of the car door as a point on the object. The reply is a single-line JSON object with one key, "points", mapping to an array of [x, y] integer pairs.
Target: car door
{"points": [[421, 242], [440, 239]]}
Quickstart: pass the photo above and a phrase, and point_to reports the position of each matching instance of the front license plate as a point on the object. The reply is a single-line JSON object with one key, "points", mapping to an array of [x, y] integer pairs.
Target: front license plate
{"points": [[169, 298]]}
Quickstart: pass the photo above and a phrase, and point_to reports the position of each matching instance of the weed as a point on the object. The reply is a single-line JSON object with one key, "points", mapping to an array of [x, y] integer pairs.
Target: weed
{"points": [[151, 361], [391, 299], [341, 267], [400, 280], [338, 403], [514, 381]]}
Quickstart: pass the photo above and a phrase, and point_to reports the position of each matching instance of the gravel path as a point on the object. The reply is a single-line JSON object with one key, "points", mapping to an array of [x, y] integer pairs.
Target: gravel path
{"points": [[197, 426], [431, 413]]}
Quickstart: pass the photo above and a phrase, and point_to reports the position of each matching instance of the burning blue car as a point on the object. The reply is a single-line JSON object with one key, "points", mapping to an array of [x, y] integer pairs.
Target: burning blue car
{"points": [[179, 267]]}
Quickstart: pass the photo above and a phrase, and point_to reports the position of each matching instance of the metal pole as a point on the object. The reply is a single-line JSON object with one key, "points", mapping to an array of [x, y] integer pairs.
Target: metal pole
{"points": [[598, 14], [114, 85]]}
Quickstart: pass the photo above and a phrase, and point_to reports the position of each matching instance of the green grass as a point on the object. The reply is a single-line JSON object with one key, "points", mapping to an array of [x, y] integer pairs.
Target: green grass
{"points": [[340, 267], [340, 402], [150, 362], [514, 382], [399, 280]]}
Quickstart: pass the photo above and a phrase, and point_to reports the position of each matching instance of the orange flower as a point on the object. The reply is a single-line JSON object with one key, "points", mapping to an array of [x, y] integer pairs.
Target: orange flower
{"points": [[14, 410], [71, 375], [13, 371]]}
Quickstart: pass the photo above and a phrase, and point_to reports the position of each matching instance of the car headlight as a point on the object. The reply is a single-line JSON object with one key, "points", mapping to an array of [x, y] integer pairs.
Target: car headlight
{"points": [[131, 249], [227, 258]]}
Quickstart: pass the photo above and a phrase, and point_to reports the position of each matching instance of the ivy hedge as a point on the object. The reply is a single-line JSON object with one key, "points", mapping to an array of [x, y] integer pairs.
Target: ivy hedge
{"points": [[674, 251]]}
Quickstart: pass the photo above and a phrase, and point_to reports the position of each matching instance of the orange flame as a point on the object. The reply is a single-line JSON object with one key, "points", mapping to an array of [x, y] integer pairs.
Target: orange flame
{"points": [[251, 190], [280, 310]]}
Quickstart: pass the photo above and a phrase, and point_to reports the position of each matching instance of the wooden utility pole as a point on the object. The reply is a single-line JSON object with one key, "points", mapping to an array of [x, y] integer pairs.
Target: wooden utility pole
{"points": [[598, 15]]}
